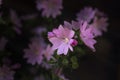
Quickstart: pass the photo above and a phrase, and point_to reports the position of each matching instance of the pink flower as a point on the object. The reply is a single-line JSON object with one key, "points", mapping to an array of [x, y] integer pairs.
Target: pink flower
{"points": [[6, 61], [7, 70], [6, 73], [49, 7], [99, 13], [35, 52], [16, 21], [99, 25], [51, 34], [3, 42], [74, 25], [74, 43], [87, 14], [62, 40], [48, 52], [87, 36]]}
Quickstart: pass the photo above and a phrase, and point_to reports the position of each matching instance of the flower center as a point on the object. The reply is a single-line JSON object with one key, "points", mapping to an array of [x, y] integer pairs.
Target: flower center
{"points": [[66, 40], [37, 51]]}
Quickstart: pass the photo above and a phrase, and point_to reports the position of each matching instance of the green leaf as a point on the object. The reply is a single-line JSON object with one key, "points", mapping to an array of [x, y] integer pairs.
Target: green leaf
{"points": [[65, 62], [73, 59], [75, 65], [74, 62], [2, 21]]}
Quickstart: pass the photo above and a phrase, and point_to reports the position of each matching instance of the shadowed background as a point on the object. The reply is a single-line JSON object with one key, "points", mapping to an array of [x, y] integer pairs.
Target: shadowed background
{"points": [[104, 64]]}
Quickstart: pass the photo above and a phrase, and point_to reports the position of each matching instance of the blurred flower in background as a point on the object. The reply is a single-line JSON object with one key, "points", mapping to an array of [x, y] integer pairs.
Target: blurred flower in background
{"points": [[34, 53], [16, 21], [99, 25], [6, 73], [49, 7], [87, 35], [87, 14]]}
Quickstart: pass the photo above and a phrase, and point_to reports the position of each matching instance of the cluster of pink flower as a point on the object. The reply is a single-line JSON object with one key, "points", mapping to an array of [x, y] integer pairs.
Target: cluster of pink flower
{"points": [[65, 38], [38, 51], [49, 7], [7, 70], [89, 24], [62, 38]]}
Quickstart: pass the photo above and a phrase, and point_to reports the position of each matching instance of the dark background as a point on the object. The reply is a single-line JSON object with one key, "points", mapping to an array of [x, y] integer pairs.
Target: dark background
{"points": [[104, 64]]}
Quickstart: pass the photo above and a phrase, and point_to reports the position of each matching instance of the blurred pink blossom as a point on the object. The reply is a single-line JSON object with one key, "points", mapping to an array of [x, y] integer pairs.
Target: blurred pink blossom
{"points": [[6, 73], [16, 21], [87, 36], [87, 14], [99, 22], [73, 25], [8, 62], [49, 7], [34, 53], [51, 34], [48, 52], [99, 25]]}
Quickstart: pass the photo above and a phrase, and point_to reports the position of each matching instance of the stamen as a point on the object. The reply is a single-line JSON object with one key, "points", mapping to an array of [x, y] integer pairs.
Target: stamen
{"points": [[66, 40]]}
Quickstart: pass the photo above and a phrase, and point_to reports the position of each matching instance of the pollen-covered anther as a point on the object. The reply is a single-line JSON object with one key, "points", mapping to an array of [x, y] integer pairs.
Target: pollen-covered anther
{"points": [[66, 40]]}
